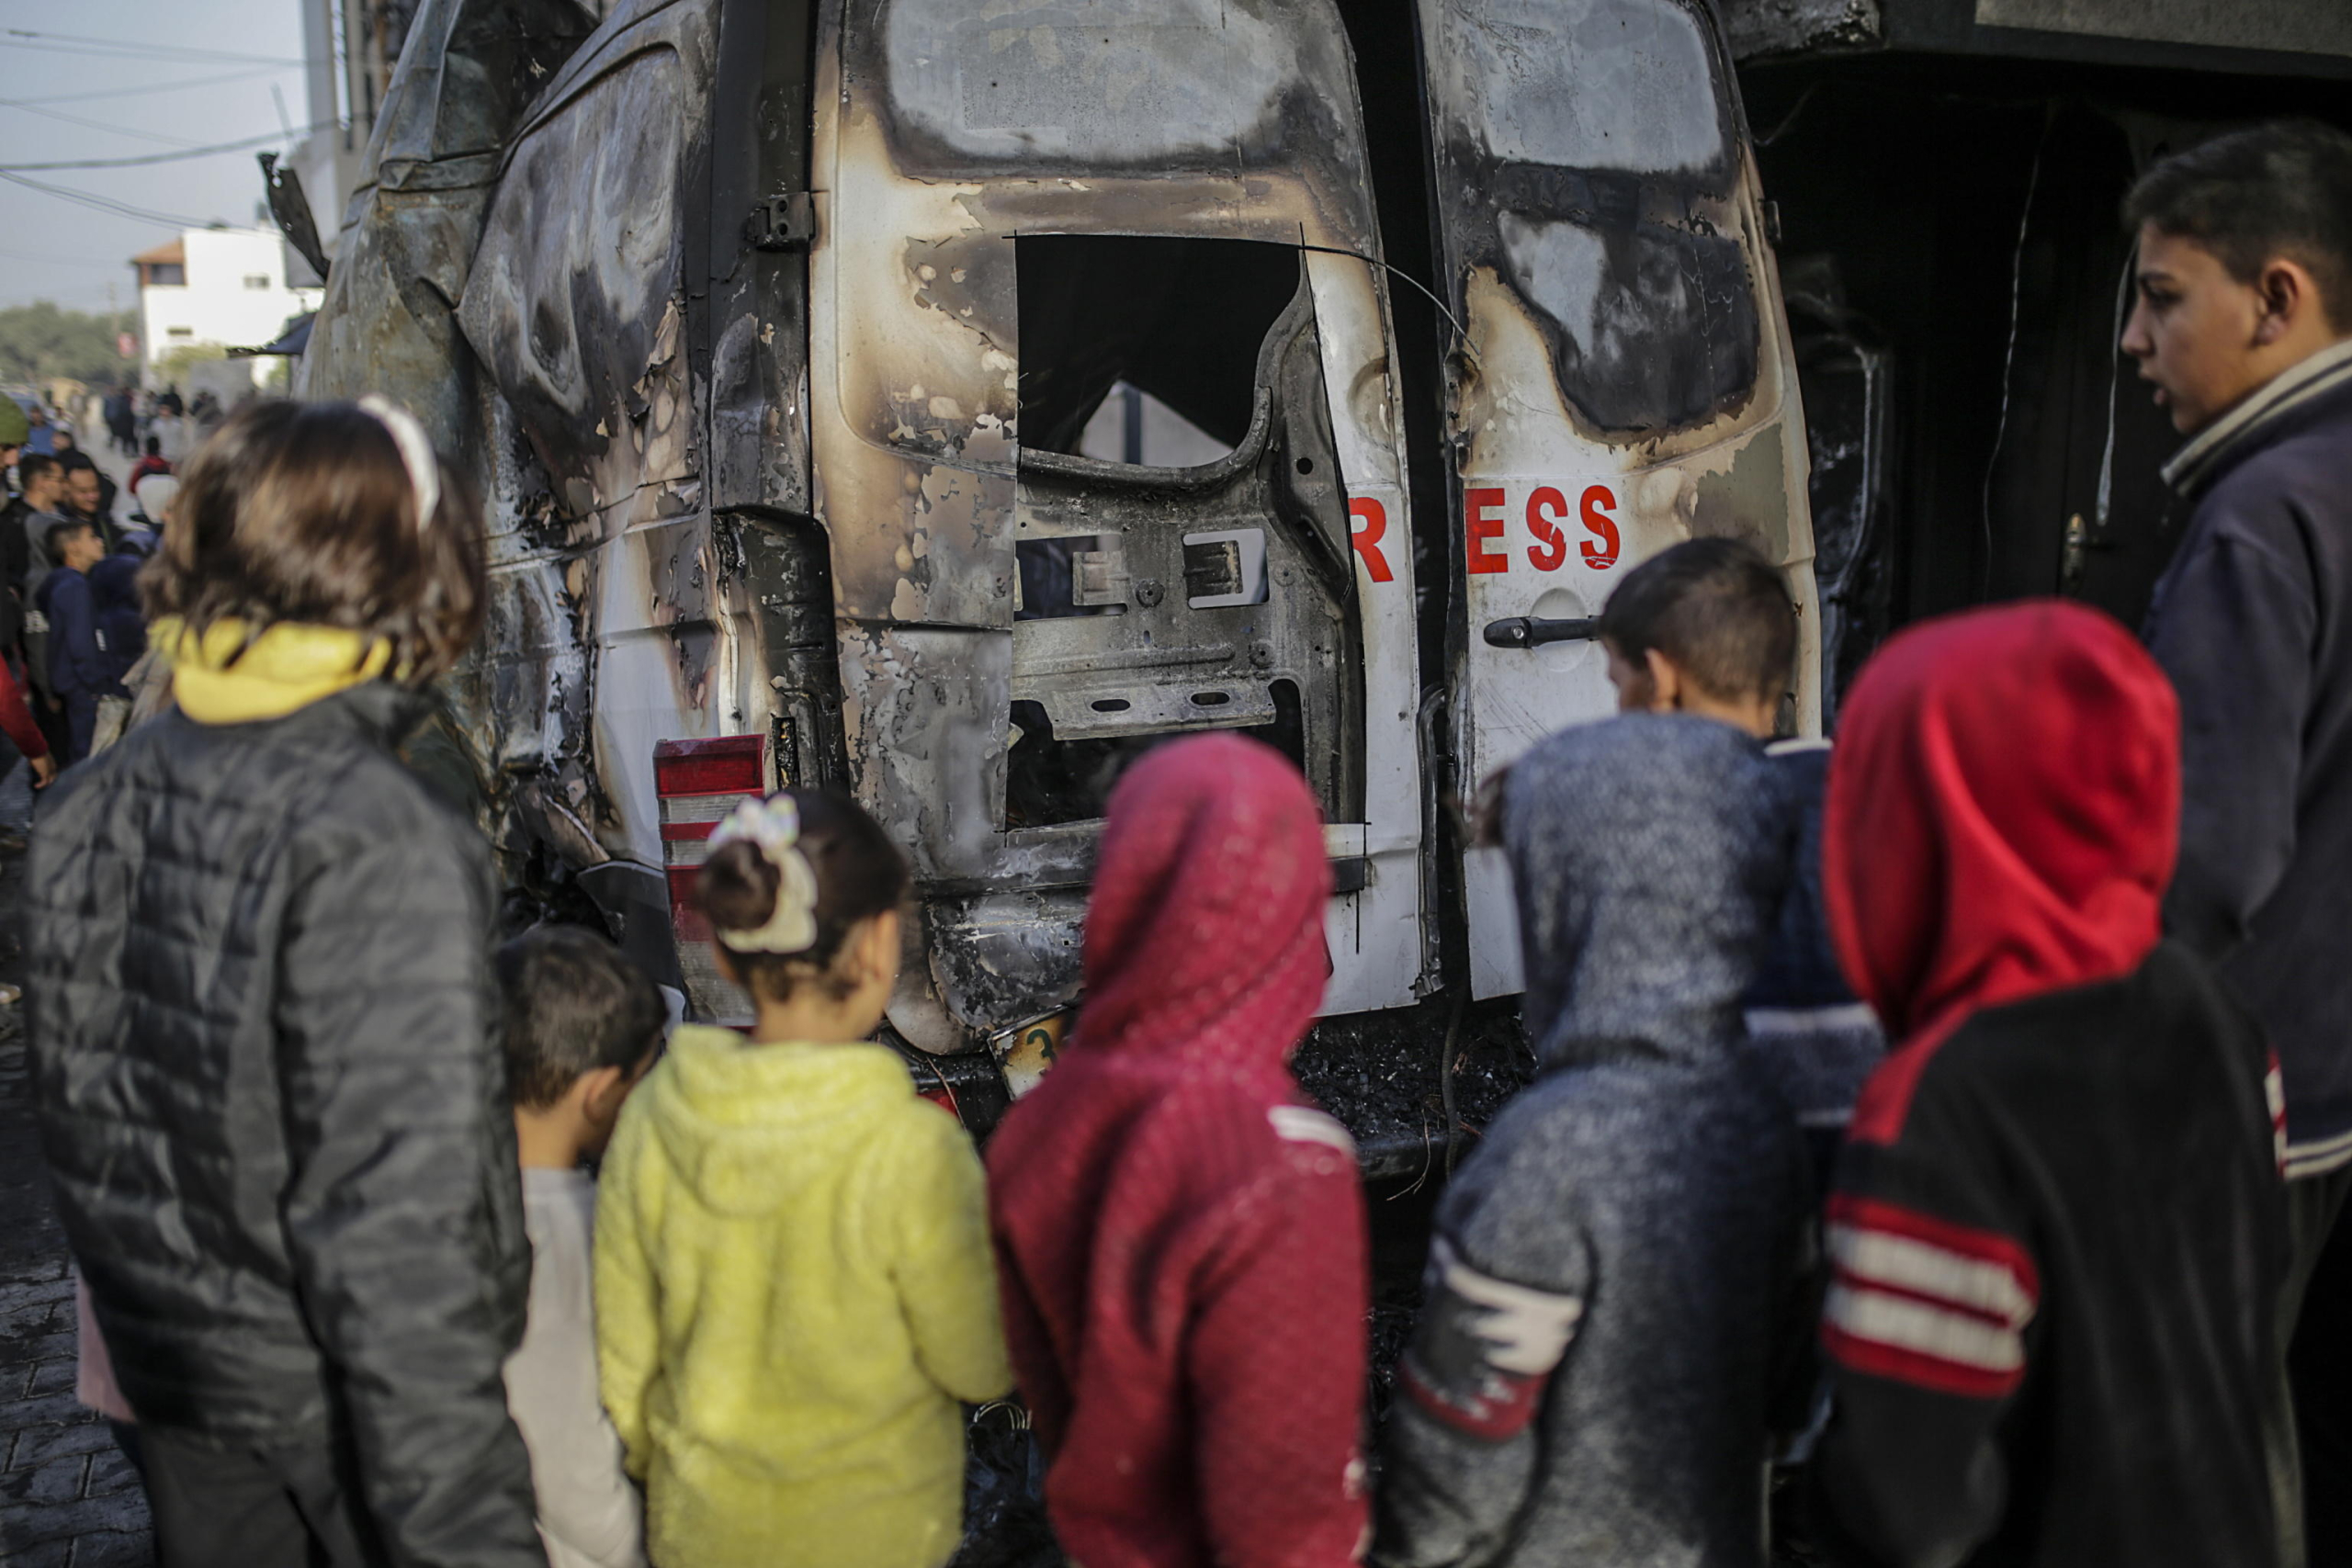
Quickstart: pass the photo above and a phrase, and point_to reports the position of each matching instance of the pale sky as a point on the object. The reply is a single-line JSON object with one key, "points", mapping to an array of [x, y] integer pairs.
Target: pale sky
{"points": [[51, 248]]}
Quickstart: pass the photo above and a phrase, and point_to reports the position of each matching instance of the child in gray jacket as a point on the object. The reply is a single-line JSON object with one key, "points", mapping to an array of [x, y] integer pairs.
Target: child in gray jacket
{"points": [[582, 1025], [1612, 1304]]}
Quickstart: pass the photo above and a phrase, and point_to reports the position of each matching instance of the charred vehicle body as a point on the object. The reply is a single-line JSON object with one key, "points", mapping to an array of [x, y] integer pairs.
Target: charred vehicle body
{"points": [[947, 402]]}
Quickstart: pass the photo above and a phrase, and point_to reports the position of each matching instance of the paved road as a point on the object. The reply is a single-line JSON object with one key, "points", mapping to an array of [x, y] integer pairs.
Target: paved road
{"points": [[68, 1498]]}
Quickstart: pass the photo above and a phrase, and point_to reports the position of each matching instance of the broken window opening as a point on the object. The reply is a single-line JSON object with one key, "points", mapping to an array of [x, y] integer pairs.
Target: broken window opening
{"points": [[1133, 427], [1653, 326], [1143, 84], [1623, 85], [1143, 349], [1050, 782], [1592, 165]]}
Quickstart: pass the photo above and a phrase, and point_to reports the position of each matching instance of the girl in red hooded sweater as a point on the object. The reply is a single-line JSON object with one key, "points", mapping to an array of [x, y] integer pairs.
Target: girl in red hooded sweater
{"points": [[2058, 1229], [1182, 1234]]}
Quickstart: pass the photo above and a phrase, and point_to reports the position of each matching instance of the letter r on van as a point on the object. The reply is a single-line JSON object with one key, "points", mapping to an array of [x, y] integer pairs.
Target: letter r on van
{"points": [[1370, 525]]}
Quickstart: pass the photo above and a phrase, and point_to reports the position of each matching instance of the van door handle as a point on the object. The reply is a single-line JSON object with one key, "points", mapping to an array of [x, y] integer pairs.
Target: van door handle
{"points": [[1534, 631]]}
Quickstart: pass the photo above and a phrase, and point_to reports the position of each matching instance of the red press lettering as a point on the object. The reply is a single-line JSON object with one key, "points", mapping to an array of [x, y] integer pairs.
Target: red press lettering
{"points": [[1369, 522], [1601, 550], [1545, 508], [1480, 522]]}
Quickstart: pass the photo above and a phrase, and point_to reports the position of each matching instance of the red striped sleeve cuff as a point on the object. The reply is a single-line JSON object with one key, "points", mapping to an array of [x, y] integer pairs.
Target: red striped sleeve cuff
{"points": [[1922, 1301]]}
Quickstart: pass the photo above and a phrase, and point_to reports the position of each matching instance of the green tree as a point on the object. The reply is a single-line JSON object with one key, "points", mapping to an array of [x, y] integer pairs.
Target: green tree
{"points": [[174, 365], [40, 341]]}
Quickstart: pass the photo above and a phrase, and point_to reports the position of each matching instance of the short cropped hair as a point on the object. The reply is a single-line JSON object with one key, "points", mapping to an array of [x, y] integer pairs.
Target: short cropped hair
{"points": [[32, 465], [2283, 188], [572, 1003], [1715, 607], [54, 540], [303, 512]]}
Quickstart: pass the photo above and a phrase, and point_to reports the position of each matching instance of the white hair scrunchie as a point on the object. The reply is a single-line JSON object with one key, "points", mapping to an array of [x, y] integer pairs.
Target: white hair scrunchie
{"points": [[417, 454], [775, 826]]}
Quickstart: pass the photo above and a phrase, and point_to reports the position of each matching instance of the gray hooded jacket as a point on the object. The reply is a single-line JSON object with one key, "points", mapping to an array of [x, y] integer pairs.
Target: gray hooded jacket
{"points": [[1611, 1300]]}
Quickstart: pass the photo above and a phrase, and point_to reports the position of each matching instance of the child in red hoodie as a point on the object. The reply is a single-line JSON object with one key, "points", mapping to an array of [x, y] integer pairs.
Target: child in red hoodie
{"points": [[1182, 1234], [2058, 1234]]}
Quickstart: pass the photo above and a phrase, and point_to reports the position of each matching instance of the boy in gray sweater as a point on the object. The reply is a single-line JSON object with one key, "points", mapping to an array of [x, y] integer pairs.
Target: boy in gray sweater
{"points": [[582, 1025], [1613, 1302]]}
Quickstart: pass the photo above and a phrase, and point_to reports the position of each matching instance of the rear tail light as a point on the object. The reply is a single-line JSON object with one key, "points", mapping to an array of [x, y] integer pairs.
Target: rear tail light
{"points": [[698, 783]]}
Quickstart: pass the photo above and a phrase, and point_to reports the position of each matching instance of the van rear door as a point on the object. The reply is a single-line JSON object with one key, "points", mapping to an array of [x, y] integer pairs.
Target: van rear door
{"points": [[1106, 449], [1623, 379]]}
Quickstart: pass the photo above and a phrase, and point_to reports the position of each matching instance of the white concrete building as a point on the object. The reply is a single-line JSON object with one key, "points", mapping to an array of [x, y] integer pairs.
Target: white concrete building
{"points": [[221, 288]]}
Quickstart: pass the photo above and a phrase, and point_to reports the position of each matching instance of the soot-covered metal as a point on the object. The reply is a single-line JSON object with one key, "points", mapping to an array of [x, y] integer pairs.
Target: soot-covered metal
{"points": [[774, 330], [1587, 161], [1051, 199]]}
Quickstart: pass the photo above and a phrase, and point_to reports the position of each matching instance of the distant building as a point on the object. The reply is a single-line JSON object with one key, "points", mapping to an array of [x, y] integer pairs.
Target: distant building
{"points": [[215, 287]]}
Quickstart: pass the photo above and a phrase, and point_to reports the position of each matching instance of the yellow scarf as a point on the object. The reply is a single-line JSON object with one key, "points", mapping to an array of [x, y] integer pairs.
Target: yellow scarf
{"points": [[290, 665]]}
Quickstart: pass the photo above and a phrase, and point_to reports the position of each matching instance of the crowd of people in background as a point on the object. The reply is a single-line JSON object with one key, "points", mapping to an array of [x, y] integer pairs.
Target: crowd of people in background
{"points": [[72, 541], [1934, 1158], [159, 421], [71, 628]]}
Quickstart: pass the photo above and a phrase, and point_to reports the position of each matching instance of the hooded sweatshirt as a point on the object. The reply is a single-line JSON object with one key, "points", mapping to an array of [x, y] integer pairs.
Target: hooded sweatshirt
{"points": [[80, 664], [1802, 1015], [1182, 1234], [793, 1291], [1610, 1306], [2057, 1230]]}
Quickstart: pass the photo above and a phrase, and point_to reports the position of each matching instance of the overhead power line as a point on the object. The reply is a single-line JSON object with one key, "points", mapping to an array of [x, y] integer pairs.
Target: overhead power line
{"points": [[143, 89], [87, 123], [128, 48], [63, 261], [106, 204], [246, 145]]}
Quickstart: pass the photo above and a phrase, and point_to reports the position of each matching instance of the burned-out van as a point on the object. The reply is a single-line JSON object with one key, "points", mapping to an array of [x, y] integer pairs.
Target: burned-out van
{"points": [[950, 400]]}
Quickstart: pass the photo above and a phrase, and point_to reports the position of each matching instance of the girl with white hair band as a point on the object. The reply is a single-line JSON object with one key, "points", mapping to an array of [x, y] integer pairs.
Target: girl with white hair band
{"points": [[794, 1289]]}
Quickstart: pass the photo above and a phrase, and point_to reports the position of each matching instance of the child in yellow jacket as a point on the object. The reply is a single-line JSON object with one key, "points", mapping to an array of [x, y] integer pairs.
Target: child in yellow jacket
{"points": [[793, 1285]]}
